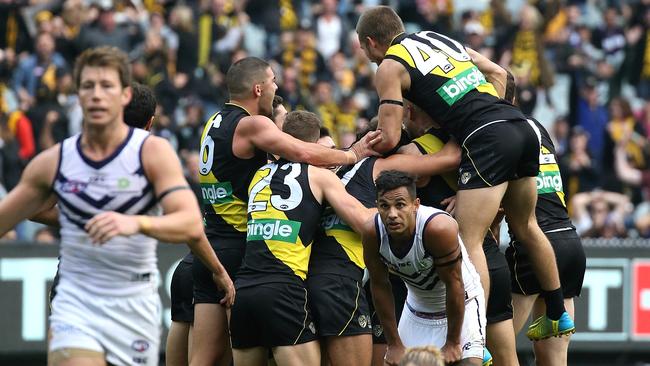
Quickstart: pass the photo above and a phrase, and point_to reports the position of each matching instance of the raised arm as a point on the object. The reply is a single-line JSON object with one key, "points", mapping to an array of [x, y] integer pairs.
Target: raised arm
{"points": [[442, 244], [389, 80], [382, 293], [494, 73], [263, 134], [32, 190], [326, 184]]}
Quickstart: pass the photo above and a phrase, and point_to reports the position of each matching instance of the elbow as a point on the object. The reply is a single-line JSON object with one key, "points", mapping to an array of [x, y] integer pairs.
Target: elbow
{"points": [[387, 143], [453, 160], [195, 234]]}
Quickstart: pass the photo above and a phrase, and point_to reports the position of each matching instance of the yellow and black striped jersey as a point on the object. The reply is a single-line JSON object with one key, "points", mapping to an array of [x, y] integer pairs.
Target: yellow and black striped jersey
{"points": [[338, 248], [439, 186], [224, 178], [447, 85], [283, 217], [551, 208]]}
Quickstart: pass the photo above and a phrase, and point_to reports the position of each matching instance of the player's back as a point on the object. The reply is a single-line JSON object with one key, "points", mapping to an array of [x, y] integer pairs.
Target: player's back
{"points": [[425, 290], [446, 84], [283, 216], [85, 188], [338, 248], [224, 177]]}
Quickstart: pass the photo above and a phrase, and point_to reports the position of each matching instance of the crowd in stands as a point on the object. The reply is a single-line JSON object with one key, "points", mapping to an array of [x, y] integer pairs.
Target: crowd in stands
{"points": [[182, 50]]}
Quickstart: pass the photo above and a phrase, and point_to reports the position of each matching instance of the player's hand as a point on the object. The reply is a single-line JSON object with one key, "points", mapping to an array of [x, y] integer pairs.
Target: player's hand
{"points": [[225, 284], [451, 352], [394, 354], [363, 147], [107, 225], [449, 204]]}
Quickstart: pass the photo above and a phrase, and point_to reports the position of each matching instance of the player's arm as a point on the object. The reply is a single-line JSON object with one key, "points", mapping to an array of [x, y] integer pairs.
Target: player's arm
{"points": [[442, 244], [48, 214], [388, 80], [32, 190], [494, 73], [382, 292], [264, 134], [446, 160], [349, 209]]}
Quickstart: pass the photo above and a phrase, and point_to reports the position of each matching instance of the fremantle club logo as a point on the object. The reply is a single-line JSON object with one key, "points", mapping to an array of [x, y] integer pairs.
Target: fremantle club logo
{"points": [[140, 345]]}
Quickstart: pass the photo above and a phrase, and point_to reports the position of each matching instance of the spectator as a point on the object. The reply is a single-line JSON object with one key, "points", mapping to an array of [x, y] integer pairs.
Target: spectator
{"points": [[579, 170], [600, 214], [182, 22], [107, 32], [189, 132], [560, 136], [45, 235], [331, 30], [593, 118]]}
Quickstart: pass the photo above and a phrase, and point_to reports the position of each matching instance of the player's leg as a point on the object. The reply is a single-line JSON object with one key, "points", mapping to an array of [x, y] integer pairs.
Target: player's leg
{"points": [[378, 353], [472, 335], [210, 338], [176, 351], [75, 357], [354, 350], [500, 333], [182, 314], [522, 306], [305, 354], [255, 356], [552, 351], [475, 211]]}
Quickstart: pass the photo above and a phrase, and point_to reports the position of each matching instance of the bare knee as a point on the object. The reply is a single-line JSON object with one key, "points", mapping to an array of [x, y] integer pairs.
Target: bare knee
{"points": [[75, 356], [470, 362]]}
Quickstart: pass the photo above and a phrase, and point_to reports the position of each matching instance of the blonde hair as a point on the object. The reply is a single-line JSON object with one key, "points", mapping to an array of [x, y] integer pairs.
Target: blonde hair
{"points": [[422, 356]]}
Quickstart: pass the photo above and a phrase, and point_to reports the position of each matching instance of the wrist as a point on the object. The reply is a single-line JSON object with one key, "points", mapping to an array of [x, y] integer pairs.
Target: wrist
{"points": [[144, 224], [351, 157]]}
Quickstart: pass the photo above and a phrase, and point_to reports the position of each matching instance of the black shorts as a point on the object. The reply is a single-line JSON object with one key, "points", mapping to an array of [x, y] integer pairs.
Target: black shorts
{"points": [[205, 290], [271, 315], [571, 263], [500, 300], [338, 305], [399, 298], [499, 152], [181, 293]]}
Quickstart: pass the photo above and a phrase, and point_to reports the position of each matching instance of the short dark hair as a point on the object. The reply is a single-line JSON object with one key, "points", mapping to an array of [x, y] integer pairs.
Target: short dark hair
{"points": [[141, 108], [243, 74], [381, 23], [389, 180], [277, 101], [324, 132], [511, 87], [302, 125], [105, 56]]}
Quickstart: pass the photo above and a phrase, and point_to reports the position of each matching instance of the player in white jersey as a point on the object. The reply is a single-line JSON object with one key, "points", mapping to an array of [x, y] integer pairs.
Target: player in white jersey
{"points": [[445, 306], [110, 181]]}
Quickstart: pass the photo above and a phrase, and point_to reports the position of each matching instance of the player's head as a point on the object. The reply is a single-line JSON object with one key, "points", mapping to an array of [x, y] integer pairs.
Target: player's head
{"points": [[103, 80], [325, 139], [422, 356], [140, 111], [302, 125], [397, 202], [416, 120], [252, 78], [279, 111], [377, 27]]}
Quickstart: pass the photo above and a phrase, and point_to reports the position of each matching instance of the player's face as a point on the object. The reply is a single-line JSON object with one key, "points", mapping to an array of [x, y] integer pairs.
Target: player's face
{"points": [[326, 141], [101, 95], [280, 115], [398, 211], [370, 50], [268, 92]]}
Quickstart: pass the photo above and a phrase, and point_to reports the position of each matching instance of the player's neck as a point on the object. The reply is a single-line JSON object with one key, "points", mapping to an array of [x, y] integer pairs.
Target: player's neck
{"points": [[100, 141], [249, 105]]}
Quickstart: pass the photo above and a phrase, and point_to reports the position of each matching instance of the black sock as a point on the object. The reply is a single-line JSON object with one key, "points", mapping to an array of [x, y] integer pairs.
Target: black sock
{"points": [[554, 303]]}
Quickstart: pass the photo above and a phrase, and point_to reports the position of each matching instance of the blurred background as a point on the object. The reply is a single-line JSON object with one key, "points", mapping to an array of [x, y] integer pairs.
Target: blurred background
{"points": [[582, 69]]}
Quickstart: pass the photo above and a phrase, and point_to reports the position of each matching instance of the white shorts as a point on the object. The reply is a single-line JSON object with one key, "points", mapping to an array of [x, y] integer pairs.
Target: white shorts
{"points": [[126, 329], [416, 331]]}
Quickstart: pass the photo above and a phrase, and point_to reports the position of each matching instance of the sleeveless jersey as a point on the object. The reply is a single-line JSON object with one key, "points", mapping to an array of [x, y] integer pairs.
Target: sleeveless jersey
{"points": [[125, 265], [447, 85], [439, 186], [283, 216], [425, 290], [338, 248], [551, 208], [224, 178]]}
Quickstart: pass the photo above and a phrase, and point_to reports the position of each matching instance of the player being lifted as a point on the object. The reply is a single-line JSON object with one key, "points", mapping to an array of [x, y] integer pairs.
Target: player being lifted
{"points": [[500, 147]]}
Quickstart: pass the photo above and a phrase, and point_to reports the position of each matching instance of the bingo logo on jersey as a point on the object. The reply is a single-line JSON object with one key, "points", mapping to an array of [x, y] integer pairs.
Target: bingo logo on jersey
{"points": [[269, 229], [461, 84]]}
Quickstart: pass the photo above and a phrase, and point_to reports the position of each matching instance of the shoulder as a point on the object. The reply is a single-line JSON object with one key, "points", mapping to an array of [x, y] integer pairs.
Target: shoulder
{"points": [[390, 67], [158, 149], [441, 226], [43, 167]]}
